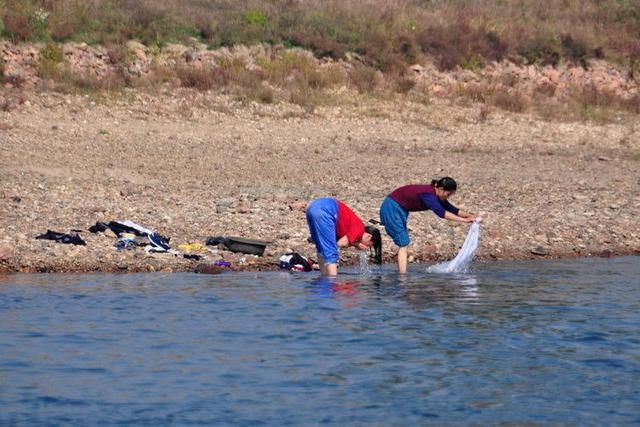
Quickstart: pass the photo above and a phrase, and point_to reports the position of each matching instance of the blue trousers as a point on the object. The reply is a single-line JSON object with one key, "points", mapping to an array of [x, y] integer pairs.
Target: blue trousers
{"points": [[322, 216], [394, 217]]}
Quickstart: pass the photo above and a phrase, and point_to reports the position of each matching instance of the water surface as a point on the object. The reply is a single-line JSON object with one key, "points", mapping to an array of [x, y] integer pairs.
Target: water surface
{"points": [[511, 342]]}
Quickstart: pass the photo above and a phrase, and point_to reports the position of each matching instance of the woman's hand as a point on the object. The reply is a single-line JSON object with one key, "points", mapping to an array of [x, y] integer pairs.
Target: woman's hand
{"points": [[461, 217]]}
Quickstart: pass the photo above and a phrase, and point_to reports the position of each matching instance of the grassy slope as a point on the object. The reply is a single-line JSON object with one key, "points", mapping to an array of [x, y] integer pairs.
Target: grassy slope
{"points": [[388, 34]]}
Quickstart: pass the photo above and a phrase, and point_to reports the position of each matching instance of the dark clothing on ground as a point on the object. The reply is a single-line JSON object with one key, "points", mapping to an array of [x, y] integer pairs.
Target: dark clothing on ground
{"points": [[70, 238]]}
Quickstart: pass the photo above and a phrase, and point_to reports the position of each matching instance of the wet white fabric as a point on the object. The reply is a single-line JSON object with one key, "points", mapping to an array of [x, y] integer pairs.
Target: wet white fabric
{"points": [[462, 261], [139, 228]]}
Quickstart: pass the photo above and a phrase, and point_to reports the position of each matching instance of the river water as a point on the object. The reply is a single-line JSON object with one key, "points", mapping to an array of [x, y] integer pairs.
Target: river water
{"points": [[544, 342]]}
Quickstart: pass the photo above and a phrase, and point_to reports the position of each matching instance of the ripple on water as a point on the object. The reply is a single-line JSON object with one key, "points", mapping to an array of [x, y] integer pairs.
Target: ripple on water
{"points": [[512, 342]]}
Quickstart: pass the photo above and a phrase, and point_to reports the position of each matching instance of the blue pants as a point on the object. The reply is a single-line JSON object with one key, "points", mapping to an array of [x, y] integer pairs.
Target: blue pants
{"points": [[322, 216], [394, 217]]}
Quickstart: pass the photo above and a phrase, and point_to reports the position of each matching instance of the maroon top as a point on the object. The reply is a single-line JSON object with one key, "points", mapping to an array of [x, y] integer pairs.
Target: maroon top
{"points": [[421, 197]]}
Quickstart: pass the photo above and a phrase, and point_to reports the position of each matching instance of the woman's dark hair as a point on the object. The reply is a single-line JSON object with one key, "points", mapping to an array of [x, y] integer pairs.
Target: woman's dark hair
{"points": [[447, 183], [376, 237]]}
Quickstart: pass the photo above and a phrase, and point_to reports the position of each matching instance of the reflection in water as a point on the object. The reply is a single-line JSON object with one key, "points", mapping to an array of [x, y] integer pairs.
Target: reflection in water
{"points": [[420, 291], [430, 289], [344, 290]]}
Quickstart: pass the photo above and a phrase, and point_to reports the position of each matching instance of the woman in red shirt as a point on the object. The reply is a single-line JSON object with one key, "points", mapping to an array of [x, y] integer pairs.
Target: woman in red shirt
{"points": [[334, 225]]}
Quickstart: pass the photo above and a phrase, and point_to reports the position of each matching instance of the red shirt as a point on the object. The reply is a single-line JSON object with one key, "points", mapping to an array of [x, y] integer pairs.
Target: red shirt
{"points": [[348, 224]]}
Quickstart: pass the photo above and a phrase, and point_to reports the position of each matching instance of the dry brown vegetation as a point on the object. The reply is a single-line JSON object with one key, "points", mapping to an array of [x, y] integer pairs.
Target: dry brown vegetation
{"points": [[384, 37], [387, 34]]}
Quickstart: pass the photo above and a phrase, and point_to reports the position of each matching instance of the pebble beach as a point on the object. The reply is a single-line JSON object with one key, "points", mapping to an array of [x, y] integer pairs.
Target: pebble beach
{"points": [[191, 165]]}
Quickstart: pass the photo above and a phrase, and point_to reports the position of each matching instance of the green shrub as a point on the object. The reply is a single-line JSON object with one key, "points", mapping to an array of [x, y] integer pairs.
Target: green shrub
{"points": [[51, 56], [472, 62], [543, 51], [327, 33], [39, 23], [52, 53], [256, 17]]}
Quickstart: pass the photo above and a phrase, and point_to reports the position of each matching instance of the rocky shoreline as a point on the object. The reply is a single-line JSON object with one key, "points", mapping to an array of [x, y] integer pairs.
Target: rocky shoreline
{"points": [[191, 165]]}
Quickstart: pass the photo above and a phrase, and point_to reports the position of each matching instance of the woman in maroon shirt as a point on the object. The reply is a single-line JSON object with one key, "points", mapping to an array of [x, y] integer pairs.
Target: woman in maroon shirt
{"points": [[394, 211]]}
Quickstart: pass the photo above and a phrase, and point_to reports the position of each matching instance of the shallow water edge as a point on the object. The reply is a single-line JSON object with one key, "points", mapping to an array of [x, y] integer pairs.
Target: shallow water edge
{"points": [[133, 265]]}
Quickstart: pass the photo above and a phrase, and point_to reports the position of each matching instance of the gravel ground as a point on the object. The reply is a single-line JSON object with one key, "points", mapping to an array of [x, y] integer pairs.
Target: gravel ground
{"points": [[191, 165]]}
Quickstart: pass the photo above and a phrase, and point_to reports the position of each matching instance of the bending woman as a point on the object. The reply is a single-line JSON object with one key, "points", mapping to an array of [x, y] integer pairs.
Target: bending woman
{"points": [[334, 225], [395, 209]]}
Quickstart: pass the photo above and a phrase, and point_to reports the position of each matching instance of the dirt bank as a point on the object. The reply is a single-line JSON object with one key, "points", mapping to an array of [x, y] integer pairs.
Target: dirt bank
{"points": [[191, 165]]}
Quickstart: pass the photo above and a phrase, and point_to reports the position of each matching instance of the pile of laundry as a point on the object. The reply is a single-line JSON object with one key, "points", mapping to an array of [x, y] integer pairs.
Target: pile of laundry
{"points": [[293, 261], [131, 235]]}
